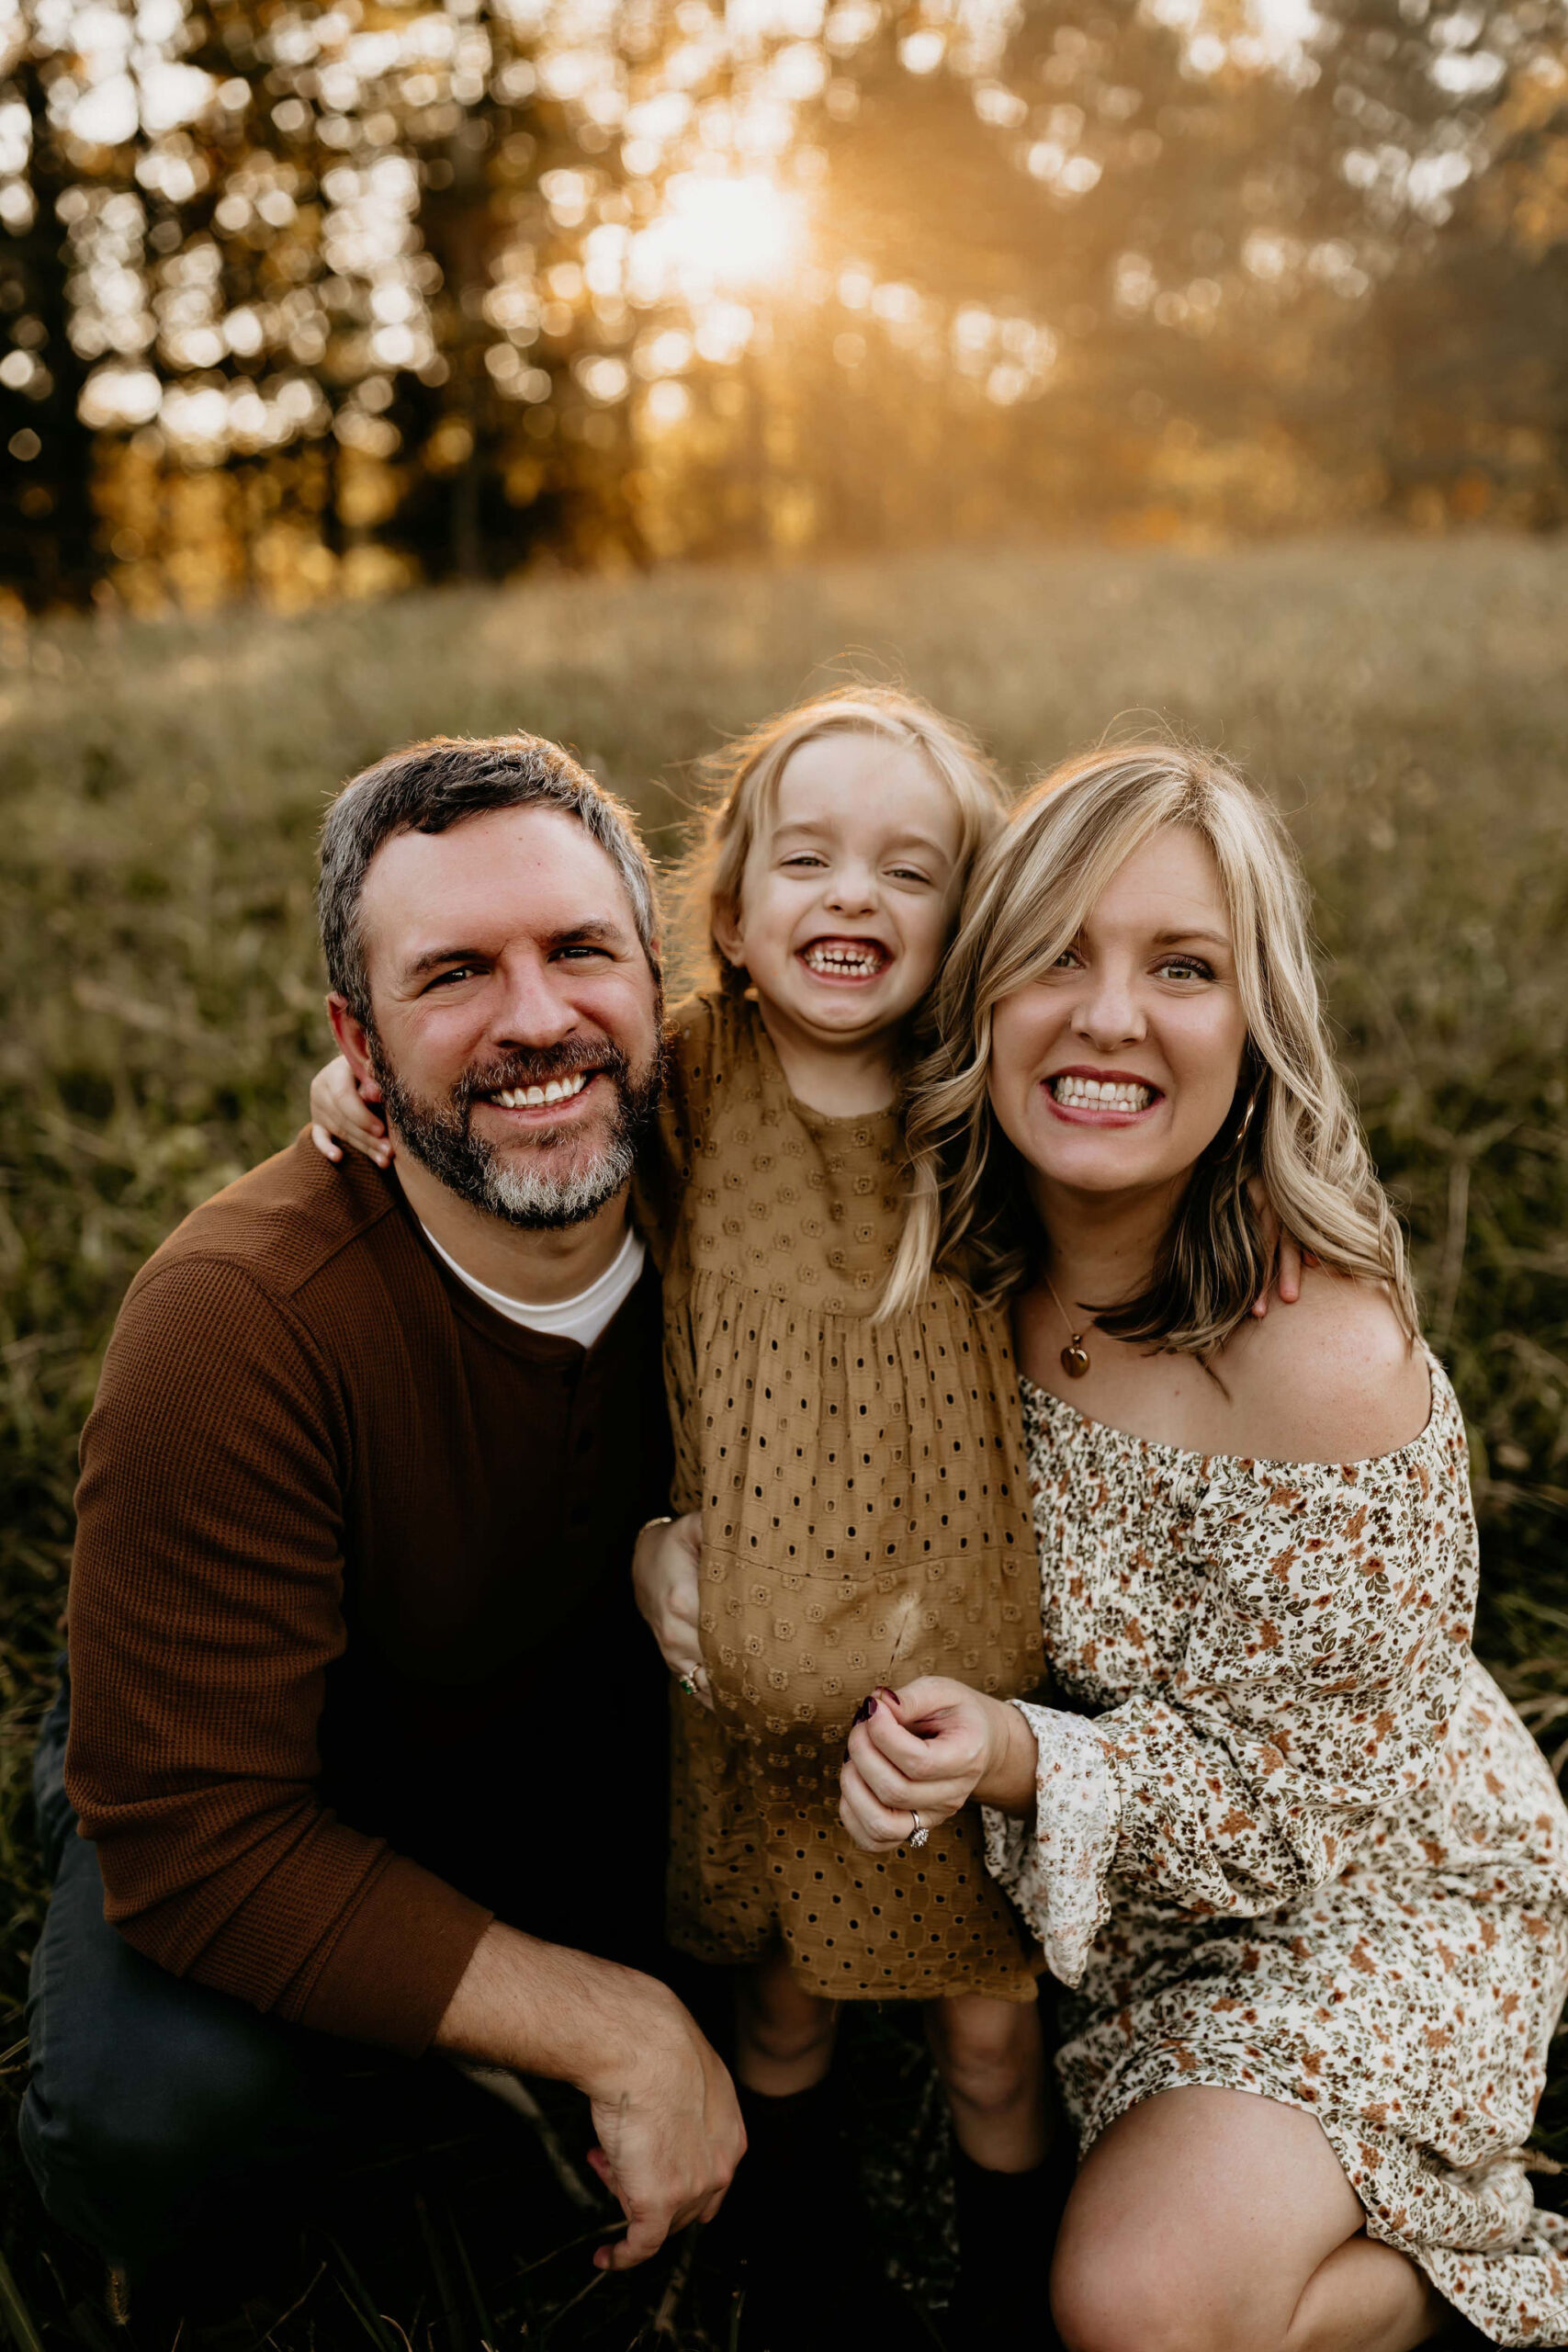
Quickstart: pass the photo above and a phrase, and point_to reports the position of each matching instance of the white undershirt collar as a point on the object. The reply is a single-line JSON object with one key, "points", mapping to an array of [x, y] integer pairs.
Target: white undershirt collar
{"points": [[581, 1318]]}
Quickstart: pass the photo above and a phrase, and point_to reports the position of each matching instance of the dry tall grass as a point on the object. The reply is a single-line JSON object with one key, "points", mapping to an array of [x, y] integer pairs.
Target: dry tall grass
{"points": [[1407, 702]]}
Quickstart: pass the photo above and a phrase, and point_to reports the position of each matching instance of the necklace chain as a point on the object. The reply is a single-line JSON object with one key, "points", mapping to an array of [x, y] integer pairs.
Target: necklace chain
{"points": [[1075, 1355]]}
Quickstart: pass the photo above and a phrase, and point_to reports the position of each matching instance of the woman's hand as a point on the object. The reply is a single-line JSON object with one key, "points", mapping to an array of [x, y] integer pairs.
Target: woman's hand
{"points": [[931, 1748], [340, 1109], [664, 1580]]}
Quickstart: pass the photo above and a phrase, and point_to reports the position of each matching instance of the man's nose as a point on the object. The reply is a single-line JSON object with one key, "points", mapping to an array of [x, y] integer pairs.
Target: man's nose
{"points": [[534, 1007]]}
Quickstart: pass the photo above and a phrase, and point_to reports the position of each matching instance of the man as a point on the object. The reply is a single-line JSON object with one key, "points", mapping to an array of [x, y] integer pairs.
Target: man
{"points": [[363, 1731]]}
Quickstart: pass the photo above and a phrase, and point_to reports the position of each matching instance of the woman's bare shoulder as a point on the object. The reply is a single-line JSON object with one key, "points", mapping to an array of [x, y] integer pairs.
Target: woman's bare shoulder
{"points": [[1332, 1378]]}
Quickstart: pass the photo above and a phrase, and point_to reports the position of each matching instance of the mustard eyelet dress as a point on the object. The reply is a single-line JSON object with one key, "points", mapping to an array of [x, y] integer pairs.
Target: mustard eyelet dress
{"points": [[865, 1519]]}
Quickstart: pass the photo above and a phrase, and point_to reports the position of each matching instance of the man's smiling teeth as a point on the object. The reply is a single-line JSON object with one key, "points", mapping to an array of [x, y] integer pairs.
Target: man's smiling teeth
{"points": [[528, 1098], [1101, 1093], [859, 963]]}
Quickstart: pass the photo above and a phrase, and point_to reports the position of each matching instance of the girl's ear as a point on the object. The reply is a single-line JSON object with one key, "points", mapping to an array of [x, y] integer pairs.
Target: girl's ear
{"points": [[726, 935]]}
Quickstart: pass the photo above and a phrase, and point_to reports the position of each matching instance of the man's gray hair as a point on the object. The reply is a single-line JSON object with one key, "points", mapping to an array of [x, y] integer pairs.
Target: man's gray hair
{"points": [[431, 786]]}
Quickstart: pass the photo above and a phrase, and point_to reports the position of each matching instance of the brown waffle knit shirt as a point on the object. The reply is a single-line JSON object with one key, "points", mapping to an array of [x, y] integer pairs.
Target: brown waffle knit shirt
{"points": [[352, 1549]]}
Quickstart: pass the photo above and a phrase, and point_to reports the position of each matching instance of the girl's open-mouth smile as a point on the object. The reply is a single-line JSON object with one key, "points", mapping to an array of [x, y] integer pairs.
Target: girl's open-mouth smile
{"points": [[845, 959], [1082, 1097]]}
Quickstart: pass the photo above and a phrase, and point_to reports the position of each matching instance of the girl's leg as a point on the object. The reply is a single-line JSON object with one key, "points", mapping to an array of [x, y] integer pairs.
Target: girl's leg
{"points": [[990, 2055], [1214, 2221], [783, 2037], [792, 2232], [1007, 2197]]}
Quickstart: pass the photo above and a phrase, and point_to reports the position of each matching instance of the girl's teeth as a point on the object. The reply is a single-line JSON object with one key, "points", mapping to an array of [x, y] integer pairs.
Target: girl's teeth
{"points": [[528, 1098], [1101, 1093], [844, 959]]}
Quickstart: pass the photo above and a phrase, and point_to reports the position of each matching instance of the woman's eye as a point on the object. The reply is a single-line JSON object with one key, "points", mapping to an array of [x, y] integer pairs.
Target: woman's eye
{"points": [[1067, 961], [1184, 968]]}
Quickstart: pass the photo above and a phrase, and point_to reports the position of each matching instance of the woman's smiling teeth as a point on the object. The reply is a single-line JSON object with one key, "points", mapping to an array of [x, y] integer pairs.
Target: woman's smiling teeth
{"points": [[1100, 1093], [845, 959], [529, 1098]]}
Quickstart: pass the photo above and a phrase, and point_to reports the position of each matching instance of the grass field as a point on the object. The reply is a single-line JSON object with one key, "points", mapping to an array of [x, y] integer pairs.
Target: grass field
{"points": [[160, 787]]}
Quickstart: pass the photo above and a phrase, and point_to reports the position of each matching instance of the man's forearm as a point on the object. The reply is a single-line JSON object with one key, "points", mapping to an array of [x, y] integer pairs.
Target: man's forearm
{"points": [[542, 2008]]}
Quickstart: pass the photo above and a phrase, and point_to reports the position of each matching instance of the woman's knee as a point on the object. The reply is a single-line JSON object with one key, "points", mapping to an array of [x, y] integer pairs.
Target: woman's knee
{"points": [[1121, 2296]]}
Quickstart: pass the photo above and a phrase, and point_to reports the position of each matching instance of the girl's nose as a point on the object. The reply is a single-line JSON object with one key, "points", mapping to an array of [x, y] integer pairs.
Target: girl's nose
{"points": [[852, 889]]}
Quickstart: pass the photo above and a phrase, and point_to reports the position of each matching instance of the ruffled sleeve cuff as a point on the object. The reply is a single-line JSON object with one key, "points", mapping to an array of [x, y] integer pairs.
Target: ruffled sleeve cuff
{"points": [[1056, 1867]]}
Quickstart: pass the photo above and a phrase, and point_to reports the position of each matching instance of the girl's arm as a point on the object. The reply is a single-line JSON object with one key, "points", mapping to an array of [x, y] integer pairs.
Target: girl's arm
{"points": [[340, 1110]]}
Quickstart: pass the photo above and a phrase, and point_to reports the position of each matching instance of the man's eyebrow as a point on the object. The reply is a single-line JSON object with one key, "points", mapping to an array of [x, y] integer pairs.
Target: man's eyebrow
{"points": [[434, 958], [596, 934]]}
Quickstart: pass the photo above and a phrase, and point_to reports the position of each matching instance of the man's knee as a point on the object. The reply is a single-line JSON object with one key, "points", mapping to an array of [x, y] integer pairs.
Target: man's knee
{"points": [[143, 2087]]}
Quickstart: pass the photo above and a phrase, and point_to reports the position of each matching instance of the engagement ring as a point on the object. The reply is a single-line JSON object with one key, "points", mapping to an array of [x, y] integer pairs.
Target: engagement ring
{"points": [[920, 1833]]}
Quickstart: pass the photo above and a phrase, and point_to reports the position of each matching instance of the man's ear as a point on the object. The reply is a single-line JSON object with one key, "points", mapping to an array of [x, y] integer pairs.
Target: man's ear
{"points": [[354, 1042]]}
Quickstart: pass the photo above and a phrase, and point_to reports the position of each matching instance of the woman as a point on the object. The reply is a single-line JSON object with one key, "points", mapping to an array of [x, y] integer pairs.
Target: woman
{"points": [[1302, 1865]]}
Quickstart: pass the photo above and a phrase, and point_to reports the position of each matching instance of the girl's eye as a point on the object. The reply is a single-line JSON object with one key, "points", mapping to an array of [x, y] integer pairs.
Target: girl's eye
{"points": [[907, 874], [805, 857]]}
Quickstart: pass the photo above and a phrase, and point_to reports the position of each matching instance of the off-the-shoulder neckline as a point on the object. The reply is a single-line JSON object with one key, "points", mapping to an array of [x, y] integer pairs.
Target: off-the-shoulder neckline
{"points": [[1257, 1463]]}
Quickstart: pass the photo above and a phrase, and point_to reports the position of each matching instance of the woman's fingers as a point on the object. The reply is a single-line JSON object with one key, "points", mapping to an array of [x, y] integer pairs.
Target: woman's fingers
{"points": [[876, 1827]]}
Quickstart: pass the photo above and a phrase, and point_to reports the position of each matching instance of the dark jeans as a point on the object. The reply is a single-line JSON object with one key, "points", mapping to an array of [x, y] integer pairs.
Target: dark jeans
{"points": [[150, 2095]]}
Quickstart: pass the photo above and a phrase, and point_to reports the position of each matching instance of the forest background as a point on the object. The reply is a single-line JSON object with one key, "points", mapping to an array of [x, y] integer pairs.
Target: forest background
{"points": [[304, 300]]}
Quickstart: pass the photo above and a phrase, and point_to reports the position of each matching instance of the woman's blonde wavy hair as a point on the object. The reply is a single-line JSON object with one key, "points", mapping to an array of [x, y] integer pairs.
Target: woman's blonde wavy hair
{"points": [[1292, 1125], [740, 782]]}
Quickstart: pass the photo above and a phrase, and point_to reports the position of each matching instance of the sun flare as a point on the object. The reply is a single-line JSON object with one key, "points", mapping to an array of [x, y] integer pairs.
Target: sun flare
{"points": [[724, 232]]}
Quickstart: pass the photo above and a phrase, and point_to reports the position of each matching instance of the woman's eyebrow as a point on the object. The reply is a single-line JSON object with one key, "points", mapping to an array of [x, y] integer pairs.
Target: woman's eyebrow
{"points": [[1182, 938]]}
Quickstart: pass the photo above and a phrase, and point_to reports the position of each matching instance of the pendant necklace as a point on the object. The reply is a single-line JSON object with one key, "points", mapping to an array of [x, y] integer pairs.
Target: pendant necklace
{"points": [[1075, 1355]]}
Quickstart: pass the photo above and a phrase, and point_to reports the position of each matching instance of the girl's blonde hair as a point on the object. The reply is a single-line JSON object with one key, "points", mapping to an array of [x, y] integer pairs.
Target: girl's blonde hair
{"points": [[1292, 1125], [742, 781]]}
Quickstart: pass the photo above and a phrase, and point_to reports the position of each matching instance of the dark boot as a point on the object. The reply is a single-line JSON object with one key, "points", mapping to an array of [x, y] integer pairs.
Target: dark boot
{"points": [[794, 2241], [1006, 2224]]}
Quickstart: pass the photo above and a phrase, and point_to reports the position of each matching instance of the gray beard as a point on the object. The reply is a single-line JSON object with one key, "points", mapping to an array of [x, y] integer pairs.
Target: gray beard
{"points": [[533, 1196]]}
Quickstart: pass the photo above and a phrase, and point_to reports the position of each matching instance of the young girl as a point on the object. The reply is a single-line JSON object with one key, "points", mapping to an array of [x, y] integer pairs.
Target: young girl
{"points": [[862, 1506]]}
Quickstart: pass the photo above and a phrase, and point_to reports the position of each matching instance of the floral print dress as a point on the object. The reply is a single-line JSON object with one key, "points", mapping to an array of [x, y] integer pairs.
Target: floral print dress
{"points": [[1291, 1839]]}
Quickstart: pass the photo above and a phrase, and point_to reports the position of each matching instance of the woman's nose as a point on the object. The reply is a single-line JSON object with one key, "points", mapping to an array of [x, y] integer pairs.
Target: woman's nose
{"points": [[1108, 1015]]}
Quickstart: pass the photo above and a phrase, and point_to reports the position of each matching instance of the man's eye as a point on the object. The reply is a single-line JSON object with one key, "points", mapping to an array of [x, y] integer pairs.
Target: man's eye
{"points": [[458, 972], [579, 948]]}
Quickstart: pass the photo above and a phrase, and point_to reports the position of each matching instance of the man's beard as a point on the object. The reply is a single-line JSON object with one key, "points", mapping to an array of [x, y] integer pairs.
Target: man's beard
{"points": [[531, 1194]]}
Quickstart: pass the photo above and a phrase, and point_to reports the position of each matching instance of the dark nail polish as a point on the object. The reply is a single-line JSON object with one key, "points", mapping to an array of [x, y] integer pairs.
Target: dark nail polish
{"points": [[867, 1707]]}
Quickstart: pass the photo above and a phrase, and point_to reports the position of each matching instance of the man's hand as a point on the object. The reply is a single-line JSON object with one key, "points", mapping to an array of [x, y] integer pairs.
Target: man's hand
{"points": [[670, 2137], [665, 2110], [664, 1580]]}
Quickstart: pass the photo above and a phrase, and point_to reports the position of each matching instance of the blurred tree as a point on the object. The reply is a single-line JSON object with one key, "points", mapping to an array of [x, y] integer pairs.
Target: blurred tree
{"points": [[346, 292]]}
